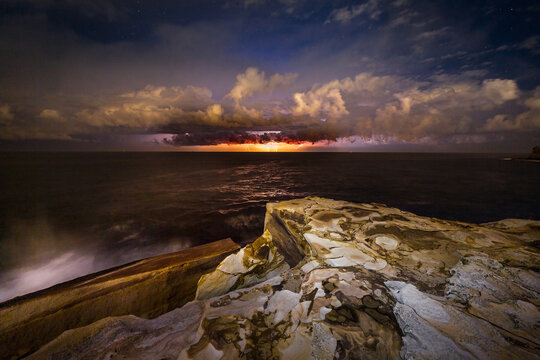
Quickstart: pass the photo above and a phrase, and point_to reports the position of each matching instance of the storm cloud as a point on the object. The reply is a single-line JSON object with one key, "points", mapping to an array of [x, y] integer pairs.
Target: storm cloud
{"points": [[261, 71]]}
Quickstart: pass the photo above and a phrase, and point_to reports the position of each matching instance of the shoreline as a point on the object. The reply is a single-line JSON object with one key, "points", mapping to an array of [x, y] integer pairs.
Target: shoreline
{"points": [[147, 288], [326, 279]]}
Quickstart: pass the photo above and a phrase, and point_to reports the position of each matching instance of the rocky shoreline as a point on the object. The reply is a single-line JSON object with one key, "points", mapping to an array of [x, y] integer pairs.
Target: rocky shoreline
{"points": [[337, 280], [145, 288]]}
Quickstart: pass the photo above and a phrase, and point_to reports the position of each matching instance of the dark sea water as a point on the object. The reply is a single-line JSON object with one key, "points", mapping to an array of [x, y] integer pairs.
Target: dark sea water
{"points": [[63, 215]]}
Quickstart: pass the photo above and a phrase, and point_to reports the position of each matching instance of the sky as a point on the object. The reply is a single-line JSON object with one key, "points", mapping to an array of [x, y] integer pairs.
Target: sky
{"points": [[270, 75]]}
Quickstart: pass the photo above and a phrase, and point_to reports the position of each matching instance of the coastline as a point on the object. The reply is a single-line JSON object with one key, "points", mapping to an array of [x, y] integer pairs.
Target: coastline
{"points": [[145, 288], [333, 279]]}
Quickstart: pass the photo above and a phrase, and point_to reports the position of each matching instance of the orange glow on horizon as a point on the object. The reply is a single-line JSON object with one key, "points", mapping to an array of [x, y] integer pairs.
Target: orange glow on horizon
{"points": [[266, 147]]}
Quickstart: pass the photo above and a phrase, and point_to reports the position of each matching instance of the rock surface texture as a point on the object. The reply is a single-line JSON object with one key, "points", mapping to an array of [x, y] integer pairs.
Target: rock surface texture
{"points": [[337, 280]]}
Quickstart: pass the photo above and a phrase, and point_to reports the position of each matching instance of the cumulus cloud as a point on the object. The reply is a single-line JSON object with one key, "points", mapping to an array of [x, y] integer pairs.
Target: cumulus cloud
{"points": [[253, 81], [527, 120], [161, 95], [152, 107], [44, 126], [159, 106], [136, 115], [149, 107], [442, 108], [398, 108], [214, 113], [327, 100], [409, 120], [499, 91], [461, 95], [500, 122], [49, 114], [366, 106], [142, 110]]}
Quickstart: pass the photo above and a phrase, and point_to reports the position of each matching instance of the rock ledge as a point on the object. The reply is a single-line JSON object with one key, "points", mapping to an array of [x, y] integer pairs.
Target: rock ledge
{"points": [[338, 280]]}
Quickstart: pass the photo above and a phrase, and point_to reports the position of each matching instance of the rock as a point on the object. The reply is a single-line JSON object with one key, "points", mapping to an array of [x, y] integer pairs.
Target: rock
{"points": [[145, 288], [535, 154], [437, 328], [337, 280], [254, 263], [387, 243]]}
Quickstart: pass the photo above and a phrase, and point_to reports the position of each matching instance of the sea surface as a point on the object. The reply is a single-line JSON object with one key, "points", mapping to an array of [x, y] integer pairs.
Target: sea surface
{"points": [[63, 215]]}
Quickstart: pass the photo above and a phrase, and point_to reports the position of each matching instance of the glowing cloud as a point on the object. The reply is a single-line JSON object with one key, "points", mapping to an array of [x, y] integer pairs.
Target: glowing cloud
{"points": [[253, 81]]}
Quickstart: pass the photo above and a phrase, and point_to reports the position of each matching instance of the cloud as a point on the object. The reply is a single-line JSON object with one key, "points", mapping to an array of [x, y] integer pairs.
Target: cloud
{"points": [[442, 108], [142, 110], [152, 107], [393, 107], [149, 107], [531, 43], [253, 81], [500, 122], [430, 35], [404, 17], [527, 120], [46, 125], [499, 91], [214, 113], [50, 114], [327, 100], [289, 5], [247, 3], [305, 135], [162, 95], [6, 115], [346, 14], [45, 66], [155, 107], [465, 95]]}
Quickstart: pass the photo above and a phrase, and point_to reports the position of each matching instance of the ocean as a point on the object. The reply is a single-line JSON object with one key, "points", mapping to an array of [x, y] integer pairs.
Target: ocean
{"points": [[63, 215]]}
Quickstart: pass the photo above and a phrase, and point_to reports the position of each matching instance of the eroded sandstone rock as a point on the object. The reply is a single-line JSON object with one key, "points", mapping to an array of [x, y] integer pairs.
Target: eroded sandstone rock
{"points": [[336, 280], [146, 288]]}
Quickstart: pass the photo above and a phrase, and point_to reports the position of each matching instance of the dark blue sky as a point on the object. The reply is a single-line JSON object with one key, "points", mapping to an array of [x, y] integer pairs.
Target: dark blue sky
{"points": [[451, 75]]}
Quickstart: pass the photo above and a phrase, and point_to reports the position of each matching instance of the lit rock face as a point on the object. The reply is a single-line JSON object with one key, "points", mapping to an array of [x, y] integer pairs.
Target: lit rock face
{"points": [[146, 288], [337, 280], [251, 265]]}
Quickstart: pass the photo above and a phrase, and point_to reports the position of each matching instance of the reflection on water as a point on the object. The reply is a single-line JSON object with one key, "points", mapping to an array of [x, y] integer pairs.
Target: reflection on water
{"points": [[63, 215]]}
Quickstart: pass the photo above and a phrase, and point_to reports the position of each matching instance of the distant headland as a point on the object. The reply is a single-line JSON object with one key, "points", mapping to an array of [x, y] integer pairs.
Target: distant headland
{"points": [[535, 154]]}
